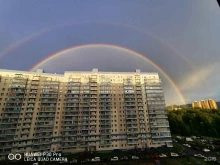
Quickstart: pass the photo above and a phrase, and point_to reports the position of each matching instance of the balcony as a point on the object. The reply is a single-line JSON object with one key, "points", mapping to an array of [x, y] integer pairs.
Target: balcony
{"points": [[129, 100], [49, 95], [131, 116], [105, 109], [130, 113], [105, 118], [10, 116], [158, 130], [24, 132], [162, 140], [134, 130], [72, 101], [9, 122], [158, 116], [27, 121], [130, 105], [159, 125], [133, 142], [105, 100], [105, 96], [7, 132], [131, 126], [70, 119], [70, 123], [157, 112], [74, 105]]}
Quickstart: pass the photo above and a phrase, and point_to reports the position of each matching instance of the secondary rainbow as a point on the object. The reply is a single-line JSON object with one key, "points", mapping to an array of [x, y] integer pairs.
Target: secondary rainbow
{"points": [[49, 29], [47, 59]]}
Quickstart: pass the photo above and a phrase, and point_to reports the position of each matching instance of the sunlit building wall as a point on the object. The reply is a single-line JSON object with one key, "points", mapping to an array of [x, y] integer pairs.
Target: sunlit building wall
{"points": [[212, 104], [196, 104], [205, 104], [81, 111]]}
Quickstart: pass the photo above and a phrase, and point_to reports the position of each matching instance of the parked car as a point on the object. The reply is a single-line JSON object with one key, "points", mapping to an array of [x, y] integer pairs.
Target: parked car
{"points": [[203, 140], [199, 155], [179, 137], [124, 158], [157, 162], [115, 158], [134, 157], [85, 161], [155, 156], [206, 150], [182, 154], [96, 159], [73, 161], [187, 145], [172, 154], [162, 156], [196, 148]]}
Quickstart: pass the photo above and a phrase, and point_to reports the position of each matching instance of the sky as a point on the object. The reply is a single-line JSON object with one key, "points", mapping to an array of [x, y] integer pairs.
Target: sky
{"points": [[180, 37]]}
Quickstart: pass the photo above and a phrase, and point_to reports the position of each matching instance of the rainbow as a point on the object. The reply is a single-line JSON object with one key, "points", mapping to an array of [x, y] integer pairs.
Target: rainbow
{"points": [[53, 56], [132, 27]]}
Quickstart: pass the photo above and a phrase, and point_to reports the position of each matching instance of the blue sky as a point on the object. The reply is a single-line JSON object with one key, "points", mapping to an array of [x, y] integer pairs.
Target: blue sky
{"points": [[168, 32]]}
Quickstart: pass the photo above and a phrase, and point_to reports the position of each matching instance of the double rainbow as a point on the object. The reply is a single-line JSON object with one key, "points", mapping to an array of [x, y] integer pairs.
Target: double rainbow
{"points": [[62, 52]]}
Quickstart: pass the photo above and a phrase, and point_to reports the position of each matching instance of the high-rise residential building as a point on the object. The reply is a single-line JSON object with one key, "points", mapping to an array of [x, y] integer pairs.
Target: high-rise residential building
{"points": [[205, 104], [212, 104], [81, 111], [196, 104]]}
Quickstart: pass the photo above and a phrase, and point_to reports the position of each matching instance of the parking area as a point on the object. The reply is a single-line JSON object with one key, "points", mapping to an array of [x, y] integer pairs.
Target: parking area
{"points": [[186, 150]]}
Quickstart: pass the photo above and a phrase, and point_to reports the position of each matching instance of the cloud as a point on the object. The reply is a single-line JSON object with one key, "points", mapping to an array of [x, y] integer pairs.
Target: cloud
{"points": [[198, 78]]}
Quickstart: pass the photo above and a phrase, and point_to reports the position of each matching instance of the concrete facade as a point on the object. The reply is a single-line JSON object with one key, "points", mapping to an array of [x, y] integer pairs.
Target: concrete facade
{"points": [[81, 111]]}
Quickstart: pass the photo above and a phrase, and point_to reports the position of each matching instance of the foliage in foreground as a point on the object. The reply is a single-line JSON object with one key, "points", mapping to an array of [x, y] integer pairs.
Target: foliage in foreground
{"points": [[197, 122]]}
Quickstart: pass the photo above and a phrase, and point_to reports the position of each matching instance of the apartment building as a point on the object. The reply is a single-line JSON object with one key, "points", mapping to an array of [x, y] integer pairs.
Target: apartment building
{"points": [[205, 104], [81, 111], [196, 104], [212, 104]]}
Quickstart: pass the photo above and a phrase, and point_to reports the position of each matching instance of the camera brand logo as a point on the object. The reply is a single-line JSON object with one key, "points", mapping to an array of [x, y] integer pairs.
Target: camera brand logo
{"points": [[14, 156]]}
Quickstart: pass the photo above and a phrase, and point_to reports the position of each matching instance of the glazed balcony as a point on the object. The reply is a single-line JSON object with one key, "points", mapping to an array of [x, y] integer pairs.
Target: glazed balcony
{"points": [[66, 123], [159, 125], [67, 118], [72, 100], [49, 95], [72, 105], [157, 130]]}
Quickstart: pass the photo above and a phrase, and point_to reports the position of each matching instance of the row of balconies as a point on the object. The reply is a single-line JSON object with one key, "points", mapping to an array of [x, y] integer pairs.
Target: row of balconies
{"points": [[49, 95], [154, 91], [157, 112], [11, 111], [153, 87], [158, 125], [158, 107], [4, 121], [14, 100], [162, 140], [158, 116], [155, 130], [46, 105]]}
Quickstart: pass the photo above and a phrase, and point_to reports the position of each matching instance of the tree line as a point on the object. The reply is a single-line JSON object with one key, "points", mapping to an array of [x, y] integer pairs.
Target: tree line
{"points": [[197, 122]]}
